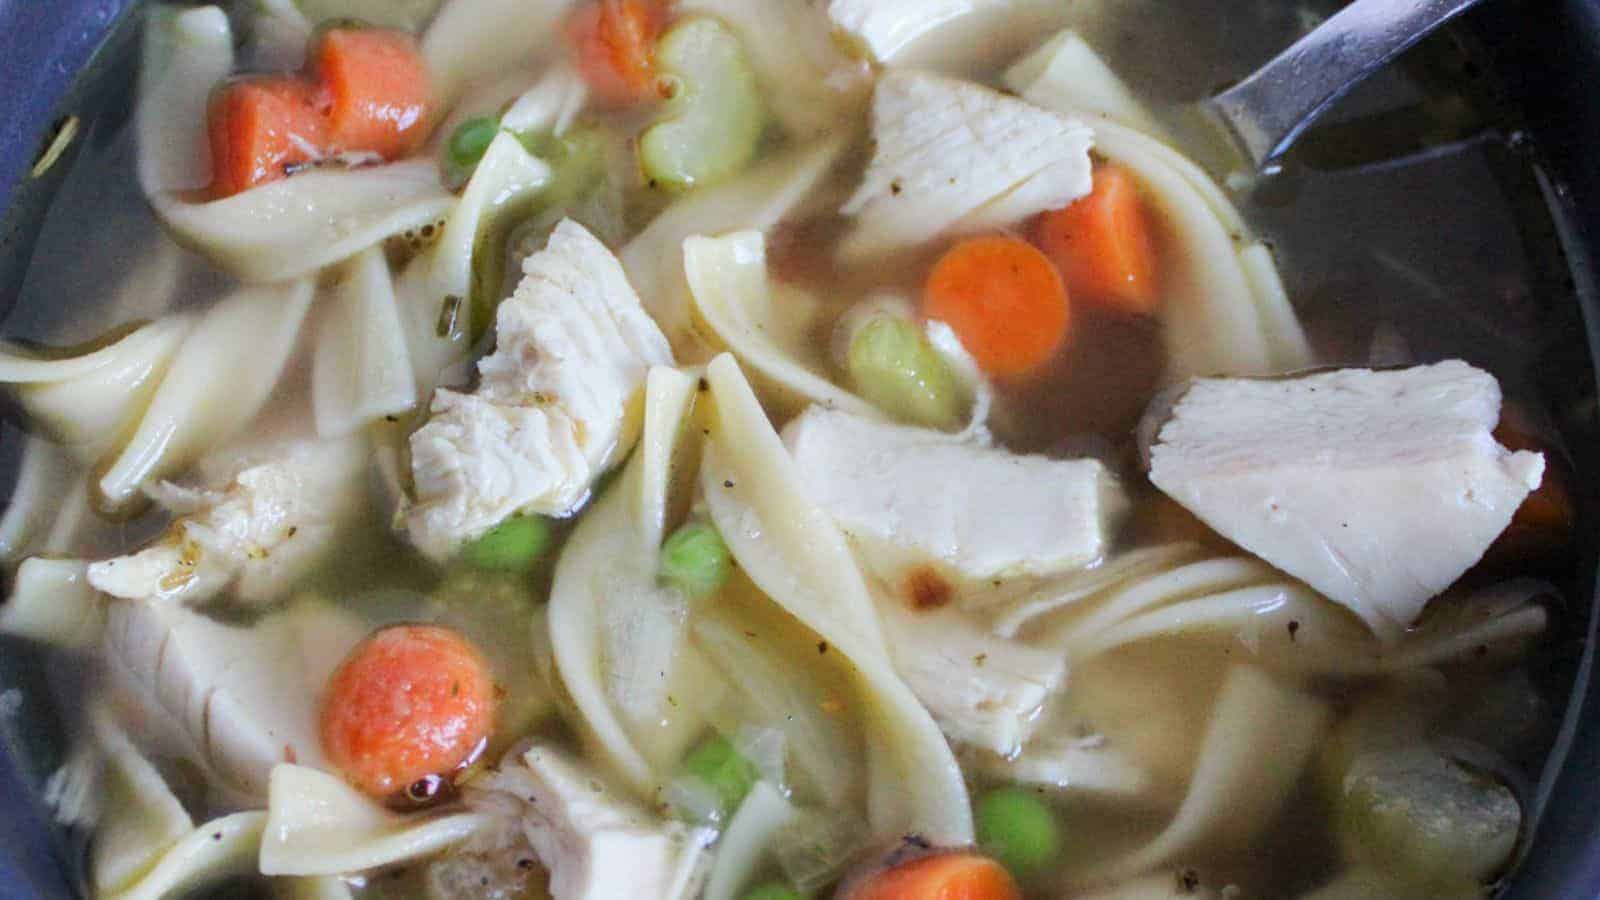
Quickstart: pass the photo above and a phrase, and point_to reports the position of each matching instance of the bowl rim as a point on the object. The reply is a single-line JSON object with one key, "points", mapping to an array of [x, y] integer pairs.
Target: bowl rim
{"points": [[60, 38]]}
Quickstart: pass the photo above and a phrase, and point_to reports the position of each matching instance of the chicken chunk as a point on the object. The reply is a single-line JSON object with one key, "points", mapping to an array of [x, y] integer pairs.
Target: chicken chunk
{"points": [[596, 844], [237, 701], [910, 498], [1377, 488], [954, 156], [888, 27], [984, 691], [573, 344], [269, 519]]}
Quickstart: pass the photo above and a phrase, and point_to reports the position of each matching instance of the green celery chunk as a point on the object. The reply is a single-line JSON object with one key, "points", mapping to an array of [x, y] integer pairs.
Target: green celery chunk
{"points": [[722, 768], [1018, 828], [515, 545], [893, 365], [1426, 819], [713, 123], [695, 560]]}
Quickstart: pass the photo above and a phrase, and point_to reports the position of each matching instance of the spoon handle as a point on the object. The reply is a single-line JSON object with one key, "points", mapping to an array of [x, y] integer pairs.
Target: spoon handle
{"points": [[1270, 108]]}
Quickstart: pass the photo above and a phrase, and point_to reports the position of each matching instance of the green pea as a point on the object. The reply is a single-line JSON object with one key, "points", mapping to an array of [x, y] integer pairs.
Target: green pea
{"points": [[1018, 828], [773, 890], [723, 769], [471, 140], [515, 545], [695, 560], [892, 364]]}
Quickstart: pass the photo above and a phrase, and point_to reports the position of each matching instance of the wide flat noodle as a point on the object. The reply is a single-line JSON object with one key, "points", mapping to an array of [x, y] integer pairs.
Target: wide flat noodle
{"points": [[186, 53], [292, 227], [608, 570], [471, 39], [745, 842], [222, 375], [1227, 313], [1012, 608], [756, 199], [795, 554], [52, 602], [437, 291], [277, 231], [1165, 586], [728, 280], [361, 370], [146, 846], [46, 473], [90, 400], [1172, 591], [318, 825], [551, 105], [1260, 738], [213, 852]]}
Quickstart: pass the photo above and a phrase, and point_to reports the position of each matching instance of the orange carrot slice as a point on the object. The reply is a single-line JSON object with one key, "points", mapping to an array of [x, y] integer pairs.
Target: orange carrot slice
{"points": [[614, 42], [1004, 300], [260, 128], [1105, 245], [377, 90], [410, 704], [943, 876]]}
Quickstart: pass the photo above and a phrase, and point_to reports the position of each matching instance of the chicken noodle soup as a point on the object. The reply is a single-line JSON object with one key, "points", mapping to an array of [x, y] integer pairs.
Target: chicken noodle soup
{"points": [[750, 449]]}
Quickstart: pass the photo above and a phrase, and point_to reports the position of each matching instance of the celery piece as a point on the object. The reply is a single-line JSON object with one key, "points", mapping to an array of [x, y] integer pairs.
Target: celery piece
{"points": [[1425, 818], [892, 364], [713, 123]]}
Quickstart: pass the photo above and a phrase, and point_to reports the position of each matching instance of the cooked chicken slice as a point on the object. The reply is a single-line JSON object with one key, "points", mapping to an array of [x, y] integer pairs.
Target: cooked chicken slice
{"points": [[240, 700], [888, 27], [268, 521], [573, 344], [910, 497], [954, 156], [596, 844], [1377, 488], [984, 691]]}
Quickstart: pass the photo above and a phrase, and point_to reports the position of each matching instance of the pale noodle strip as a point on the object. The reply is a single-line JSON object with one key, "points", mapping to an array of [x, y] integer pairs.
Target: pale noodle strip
{"points": [[757, 199], [318, 825], [223, 374], [795, 554], [1260, 738], [471, 39], [610, 563], [361, 370]]}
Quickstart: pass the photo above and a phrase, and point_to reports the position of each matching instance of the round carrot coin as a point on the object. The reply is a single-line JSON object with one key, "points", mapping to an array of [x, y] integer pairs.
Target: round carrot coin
{"points": [[409, 705]]}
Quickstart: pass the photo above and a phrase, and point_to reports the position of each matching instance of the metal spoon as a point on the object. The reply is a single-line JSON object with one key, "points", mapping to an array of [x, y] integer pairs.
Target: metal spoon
{"points": [[1268, 110]]}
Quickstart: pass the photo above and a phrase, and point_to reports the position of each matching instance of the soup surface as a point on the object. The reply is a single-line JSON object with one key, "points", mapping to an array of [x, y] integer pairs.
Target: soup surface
{"points": [[763, 449]]}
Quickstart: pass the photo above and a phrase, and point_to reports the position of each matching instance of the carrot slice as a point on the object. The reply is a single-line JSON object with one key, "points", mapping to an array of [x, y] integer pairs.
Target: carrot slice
{"points": [[614, 42], [260, 128], [376, 88], [411, 705], [943, 876], [1004, 300], [1105, 245]]}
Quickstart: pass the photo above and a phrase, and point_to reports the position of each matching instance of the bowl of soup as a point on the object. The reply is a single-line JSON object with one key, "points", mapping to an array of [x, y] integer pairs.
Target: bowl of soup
{"points": [[756, 449]]}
